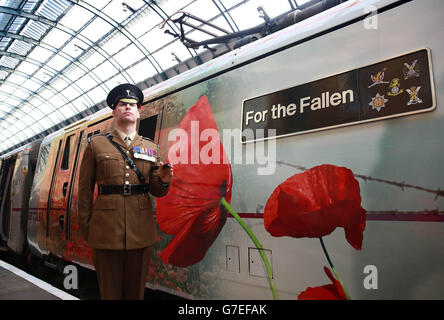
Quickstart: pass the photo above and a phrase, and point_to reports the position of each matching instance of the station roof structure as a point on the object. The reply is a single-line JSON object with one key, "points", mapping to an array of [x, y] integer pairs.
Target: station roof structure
{"points": [[60, 58]]}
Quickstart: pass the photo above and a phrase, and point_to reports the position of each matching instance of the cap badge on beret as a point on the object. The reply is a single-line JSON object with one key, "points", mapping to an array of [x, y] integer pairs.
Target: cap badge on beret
{"points": [[126, 93]]}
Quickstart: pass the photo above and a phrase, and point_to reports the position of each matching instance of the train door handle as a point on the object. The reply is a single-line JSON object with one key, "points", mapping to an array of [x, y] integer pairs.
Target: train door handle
{"points": [[61, 222], [65, 188]]}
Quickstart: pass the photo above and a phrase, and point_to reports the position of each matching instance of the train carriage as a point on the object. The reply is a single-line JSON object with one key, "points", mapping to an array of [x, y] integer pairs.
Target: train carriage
{"points": [[351, 96]]}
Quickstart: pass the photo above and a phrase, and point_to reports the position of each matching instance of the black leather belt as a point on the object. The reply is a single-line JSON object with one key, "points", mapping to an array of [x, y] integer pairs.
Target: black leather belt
{"points": [[125, 189]]}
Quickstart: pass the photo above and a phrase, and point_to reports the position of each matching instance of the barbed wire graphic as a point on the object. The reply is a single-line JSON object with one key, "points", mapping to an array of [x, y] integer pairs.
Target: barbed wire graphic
{"points": [[438, 192]]}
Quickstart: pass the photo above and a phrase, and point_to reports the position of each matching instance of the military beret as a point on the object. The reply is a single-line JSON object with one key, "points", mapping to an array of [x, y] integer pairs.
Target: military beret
{"points": [[125, 92]]}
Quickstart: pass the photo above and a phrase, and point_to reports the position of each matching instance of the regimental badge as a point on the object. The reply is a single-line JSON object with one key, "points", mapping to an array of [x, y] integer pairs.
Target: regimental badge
{"points": [[378, 102], [394, 87], [378, 79], [411, 70], [145, 153], [414, 98]]}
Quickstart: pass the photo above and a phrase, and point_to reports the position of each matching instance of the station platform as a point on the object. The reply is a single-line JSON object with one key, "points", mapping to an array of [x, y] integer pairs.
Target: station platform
{"points": [[15, 284]]}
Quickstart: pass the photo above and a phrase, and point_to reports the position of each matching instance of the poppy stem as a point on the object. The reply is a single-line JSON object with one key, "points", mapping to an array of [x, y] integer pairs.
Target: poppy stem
{"points": [[333, 268], [256, 242]]}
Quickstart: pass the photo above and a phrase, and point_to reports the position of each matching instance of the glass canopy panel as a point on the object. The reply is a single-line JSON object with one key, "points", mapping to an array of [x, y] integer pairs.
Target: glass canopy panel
{"points": [[37, 127], [96, 29], [165, 58], [46, 123], [46, 94], [58, 63], [155, 39], [3, 75], [52, 9], [81, 104], [75, 73], [56, 38], [203, 9], [30, 5], [70, 93], [230, 3], [74, 48], [76, 18], [97, 94], [27, 107], [247, 16], [93, 60], [141, 71], [40, 54], [43, 75], [134, 4], [128, 56], [114, 43], [105, 71], [171, 7], [117, 11], [34, 29], [27, 67], [86, 82], [275, 8], [36, 114], [68, 111], [28, 132], [7, 88], [27, 120], [98, 4], [20, 47], [56, 101], [22, 94], [56, 117], [144, 22], [59, 84], [35, 102]]}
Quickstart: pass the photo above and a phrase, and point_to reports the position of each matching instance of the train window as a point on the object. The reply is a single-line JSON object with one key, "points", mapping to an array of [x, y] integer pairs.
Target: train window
{"points": [[66, 153], [44, 153], [147, 127]]}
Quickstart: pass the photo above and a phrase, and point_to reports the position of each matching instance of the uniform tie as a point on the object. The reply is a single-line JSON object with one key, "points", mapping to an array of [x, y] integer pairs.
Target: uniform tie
{"points": [[127, 140]]}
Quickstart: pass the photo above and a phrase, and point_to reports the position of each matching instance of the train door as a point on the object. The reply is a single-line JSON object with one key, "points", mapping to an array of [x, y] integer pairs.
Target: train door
{"points": [[59, 197], [5, 196], [76, 247]]}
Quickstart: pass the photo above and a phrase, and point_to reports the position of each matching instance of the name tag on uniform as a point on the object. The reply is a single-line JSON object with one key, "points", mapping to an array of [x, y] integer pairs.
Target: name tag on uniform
{"points": [[145, 154]]}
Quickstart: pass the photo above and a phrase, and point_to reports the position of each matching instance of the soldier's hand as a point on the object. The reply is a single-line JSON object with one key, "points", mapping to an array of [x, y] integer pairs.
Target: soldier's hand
{"points": [[165, 172]]}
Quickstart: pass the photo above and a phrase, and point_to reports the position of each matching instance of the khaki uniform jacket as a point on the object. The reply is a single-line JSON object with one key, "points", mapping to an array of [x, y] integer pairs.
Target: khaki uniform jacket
{"points": [[116, 221]]}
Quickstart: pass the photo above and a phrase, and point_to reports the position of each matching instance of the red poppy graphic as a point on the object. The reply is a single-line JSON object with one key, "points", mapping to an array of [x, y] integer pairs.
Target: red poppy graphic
{"points": [[328, 292], [191, 210], [315, 202]]}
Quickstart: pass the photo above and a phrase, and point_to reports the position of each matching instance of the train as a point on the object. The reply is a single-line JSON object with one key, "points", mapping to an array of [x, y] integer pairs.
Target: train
{"points": [[338, 116]]}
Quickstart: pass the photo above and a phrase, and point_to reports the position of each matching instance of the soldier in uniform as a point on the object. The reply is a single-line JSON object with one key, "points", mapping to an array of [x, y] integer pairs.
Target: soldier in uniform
{"points": [[119, 226]]}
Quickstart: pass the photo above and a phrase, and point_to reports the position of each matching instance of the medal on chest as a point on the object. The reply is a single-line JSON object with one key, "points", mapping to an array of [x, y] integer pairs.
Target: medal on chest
{"points": [[144, 154]]}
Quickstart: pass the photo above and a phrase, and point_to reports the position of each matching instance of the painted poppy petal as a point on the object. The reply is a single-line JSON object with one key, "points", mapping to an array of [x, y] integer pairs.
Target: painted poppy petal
{"points": [[327, 292], [191, 209], [314, 203], [190, 245]]}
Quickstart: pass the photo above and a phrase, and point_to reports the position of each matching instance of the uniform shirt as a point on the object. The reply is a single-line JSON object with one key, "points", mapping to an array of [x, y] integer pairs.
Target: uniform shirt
{"points": [[124, 136], [115, 221]]}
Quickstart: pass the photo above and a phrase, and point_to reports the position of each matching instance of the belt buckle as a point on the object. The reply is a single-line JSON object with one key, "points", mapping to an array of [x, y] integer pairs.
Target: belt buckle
{"points": [[126, 190]]}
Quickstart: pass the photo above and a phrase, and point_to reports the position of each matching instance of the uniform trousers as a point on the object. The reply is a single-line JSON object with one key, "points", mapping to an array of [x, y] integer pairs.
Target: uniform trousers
{"points": [[122, 274]]}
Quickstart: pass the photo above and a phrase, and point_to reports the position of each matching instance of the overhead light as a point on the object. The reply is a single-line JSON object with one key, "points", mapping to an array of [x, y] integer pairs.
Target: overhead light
{"points": [[77, 48], [126, 7], [175, 58]]}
